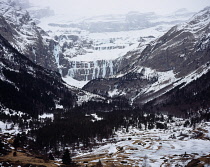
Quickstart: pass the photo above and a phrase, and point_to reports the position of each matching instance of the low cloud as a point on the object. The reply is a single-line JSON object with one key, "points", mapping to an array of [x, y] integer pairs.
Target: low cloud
{"points": [[98, 7]]}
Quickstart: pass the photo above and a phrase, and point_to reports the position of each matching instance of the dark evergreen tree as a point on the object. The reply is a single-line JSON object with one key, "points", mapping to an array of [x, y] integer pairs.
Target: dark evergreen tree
{"points": [[14, 154], [16, 142], [66, 158], [2, 146]]}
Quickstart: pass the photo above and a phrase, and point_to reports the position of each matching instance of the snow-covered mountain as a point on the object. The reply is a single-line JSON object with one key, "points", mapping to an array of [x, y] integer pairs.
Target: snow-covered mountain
{"points": [[142, 63], [90, 48], [20, 30], [86, 57], [76, 49], [178, 57]]}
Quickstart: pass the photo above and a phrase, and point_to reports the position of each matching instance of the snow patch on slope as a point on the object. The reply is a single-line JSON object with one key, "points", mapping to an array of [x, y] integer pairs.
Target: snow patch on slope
{"points": [[46, 115], [73, 82], [194, 75], [8, 127], [169, 79]]}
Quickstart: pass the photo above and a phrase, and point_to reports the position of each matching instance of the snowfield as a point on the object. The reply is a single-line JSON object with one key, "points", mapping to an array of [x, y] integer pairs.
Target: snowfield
{"points": [[174, 146], [73, 82]]}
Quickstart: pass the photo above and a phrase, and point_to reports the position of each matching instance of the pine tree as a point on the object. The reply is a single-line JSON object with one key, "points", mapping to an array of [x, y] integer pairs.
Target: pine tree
{"points": [[14, 154], [66, 158], [16, 142]]}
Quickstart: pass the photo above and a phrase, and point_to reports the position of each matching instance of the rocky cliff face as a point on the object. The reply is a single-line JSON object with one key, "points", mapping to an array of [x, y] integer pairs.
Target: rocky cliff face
{"points": [[178, 57], [21, 31], [70, 48], [87, 71]]}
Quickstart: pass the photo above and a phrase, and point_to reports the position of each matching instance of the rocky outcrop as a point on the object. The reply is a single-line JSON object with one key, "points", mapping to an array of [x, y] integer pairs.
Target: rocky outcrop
{"points": [[70, 46], [91, 70], [130, 85]]}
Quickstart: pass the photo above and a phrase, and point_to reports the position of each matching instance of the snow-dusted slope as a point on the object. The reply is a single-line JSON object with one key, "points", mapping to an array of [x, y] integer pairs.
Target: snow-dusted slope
{"points": [[182, 49], [28, 87], [21, 31]]}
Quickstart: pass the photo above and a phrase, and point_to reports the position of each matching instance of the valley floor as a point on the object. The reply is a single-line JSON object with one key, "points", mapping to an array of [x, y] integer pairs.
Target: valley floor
{"points": [[176, 146]]}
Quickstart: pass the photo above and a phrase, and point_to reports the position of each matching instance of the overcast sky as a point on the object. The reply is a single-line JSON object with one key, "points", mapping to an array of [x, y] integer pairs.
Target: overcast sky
{"points": [[98, 7]]}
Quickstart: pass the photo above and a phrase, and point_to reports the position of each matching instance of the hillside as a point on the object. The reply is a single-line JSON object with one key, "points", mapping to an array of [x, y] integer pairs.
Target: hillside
{"points": [[28, 87]]}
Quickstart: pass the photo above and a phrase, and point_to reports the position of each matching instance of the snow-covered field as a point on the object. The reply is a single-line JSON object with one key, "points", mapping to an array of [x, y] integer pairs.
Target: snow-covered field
{"points": [[176, 145], [9, 127]]}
